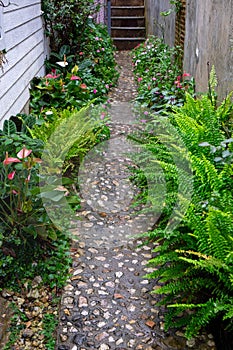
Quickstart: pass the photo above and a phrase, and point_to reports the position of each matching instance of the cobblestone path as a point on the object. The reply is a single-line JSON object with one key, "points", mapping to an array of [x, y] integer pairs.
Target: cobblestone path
{"points": [[107, 302]]}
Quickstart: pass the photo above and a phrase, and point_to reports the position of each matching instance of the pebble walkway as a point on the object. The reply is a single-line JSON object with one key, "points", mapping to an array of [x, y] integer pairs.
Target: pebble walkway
{"points": [[107, 303]]}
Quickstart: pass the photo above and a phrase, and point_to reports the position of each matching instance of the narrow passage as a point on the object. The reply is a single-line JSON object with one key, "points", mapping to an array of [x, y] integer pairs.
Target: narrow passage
{"points": [[107, 303]]}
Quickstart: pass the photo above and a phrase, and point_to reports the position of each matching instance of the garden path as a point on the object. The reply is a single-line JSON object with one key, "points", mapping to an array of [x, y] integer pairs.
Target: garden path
{"points": [[106, 303]]}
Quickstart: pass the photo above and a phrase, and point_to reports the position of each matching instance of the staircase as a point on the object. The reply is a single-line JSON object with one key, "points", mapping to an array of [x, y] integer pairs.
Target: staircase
{"points": [[127, 23]]}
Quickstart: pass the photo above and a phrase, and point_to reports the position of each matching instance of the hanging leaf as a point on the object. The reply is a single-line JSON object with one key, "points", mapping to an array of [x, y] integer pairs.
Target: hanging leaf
{"points": [[9, 127]]}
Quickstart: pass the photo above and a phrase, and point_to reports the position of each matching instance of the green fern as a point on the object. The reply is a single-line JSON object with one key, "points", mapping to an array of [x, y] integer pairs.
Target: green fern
{"points": [[194, 263]]}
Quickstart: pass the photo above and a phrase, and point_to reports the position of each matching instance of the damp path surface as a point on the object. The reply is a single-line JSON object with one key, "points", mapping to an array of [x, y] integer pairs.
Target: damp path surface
{"points": [[107, 303]]}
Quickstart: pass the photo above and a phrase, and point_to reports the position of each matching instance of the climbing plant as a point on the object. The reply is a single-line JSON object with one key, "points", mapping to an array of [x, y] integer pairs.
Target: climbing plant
{"points": [[176, 7]]}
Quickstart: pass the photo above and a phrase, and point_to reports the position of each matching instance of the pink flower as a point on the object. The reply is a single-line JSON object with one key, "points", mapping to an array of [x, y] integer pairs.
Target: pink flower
{"points": [[14, 192], [98, 50], [94, 91], [107, 86], [9, 160], [103, 49], [102, 116], [96, 38], [139, 79], [28, 178], [186, 75], [178, 83], [11, 175], [75, 77], [83, 86], [143, 120], [49, 76], [154, 79], [81, 53], [52, 76], [24, 153], [146, 112]]}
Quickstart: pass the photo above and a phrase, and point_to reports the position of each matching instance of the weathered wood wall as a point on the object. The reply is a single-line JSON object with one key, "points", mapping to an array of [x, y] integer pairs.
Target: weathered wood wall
{"points": [[25, 52], [157, 24], [208, 38]]}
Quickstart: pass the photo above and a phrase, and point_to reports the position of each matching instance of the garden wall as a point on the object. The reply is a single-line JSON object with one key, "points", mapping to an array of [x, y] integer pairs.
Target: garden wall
{"points": [[159, 25], [209, 38], [23, 39]]}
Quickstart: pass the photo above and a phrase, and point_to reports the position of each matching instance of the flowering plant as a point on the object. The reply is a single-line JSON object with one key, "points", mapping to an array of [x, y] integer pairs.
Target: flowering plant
{"points": [[74, 88], [161, 82], [74, 80], [61, 91], [30, 244], [22, 213]]}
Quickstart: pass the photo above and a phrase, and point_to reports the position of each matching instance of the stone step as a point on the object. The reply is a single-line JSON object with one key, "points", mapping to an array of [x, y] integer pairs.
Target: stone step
{"points": [[127, 43], [128, 32], [129, 3], [125, 11], [128, 21]]}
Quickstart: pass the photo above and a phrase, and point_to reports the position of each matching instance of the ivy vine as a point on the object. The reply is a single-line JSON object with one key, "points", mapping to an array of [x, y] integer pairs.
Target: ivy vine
{"points": [[176, 7]]}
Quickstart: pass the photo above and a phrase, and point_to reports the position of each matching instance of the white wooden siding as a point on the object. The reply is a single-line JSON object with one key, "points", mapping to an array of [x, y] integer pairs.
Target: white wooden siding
{"points": [[2, 41], [25, 53]]}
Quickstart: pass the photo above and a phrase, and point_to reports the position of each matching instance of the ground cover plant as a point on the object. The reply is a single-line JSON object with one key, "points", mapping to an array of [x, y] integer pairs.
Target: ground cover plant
{"points": [[193, 260], [161, 82]]}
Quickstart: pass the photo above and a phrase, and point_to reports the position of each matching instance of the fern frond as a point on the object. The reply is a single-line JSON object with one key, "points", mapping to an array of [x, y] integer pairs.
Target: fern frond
{"points": [[206, 172], [200, 318], [219, 227]]}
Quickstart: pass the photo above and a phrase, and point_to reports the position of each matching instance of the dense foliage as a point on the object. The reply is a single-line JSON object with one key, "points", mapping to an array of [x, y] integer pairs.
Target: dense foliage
{"points": [[40, 154], [73, 82], [72, 91], [193, 258], [65, 22], [27, 234], [161, 82]]}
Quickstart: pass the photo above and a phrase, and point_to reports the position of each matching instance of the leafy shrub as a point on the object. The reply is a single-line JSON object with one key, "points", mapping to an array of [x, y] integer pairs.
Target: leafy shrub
{"points": [[66, 20], [161, 83], [63, 91], [194, 260], [98, 48], [75, 82], [24, 224], [27, 234]]}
